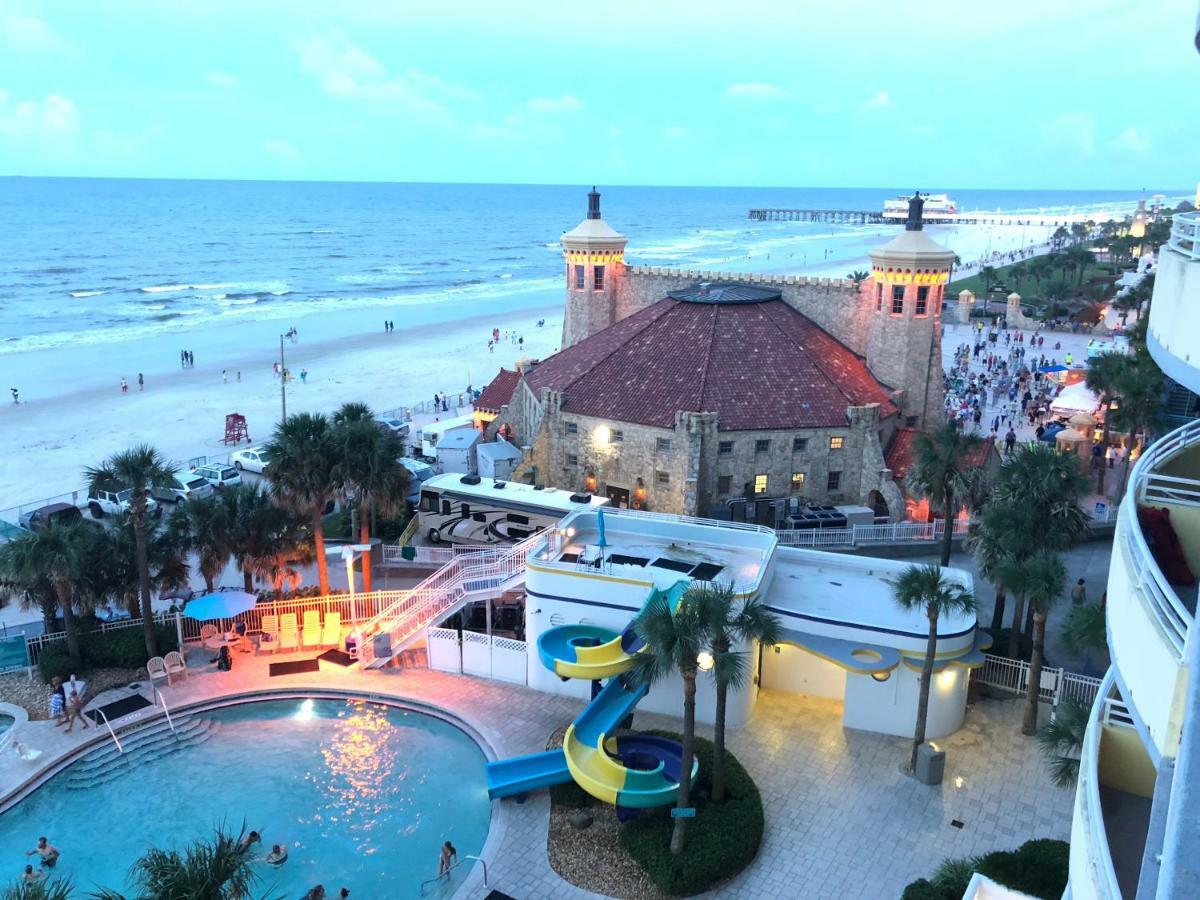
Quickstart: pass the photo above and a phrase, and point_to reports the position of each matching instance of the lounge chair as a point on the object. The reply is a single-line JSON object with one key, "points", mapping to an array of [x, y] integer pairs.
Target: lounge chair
{"points": [[157, 668], [175, 665], [311, 636], [289, 635], [332, 635], [269, 639]]}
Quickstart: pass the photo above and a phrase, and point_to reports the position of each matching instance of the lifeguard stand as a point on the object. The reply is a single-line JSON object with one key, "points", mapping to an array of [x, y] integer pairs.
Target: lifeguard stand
{"points": [[236, 429]]}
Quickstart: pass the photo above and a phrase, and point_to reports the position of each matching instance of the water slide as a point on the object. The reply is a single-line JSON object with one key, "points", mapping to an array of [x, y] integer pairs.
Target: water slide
{"points": [[633, 771]]}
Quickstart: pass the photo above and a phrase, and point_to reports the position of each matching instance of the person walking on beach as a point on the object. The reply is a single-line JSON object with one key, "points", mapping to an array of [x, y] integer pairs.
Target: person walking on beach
{"points": [[16, 396], [224, 376], [183, 359], [124, 386], [141, 382], [304, 376]]}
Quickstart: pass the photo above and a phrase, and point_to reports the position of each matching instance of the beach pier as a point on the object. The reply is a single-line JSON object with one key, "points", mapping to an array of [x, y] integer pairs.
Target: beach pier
{"points": [[872, 217]]}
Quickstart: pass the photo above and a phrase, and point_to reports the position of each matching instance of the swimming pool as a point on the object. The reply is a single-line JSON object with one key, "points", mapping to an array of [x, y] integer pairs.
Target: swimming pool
{"points": [[361, 794]]}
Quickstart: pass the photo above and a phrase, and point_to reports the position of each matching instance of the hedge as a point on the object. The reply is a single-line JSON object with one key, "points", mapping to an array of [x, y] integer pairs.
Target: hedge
{"points": [[1039, 868], [122, 648], [721, 840]]}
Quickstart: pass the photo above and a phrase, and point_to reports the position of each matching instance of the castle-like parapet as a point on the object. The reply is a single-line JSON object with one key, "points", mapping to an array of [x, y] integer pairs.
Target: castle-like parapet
{"points": [[774, 278]]}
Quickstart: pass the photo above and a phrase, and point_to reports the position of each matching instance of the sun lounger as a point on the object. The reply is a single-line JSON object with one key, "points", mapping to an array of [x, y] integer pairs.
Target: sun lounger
{"points": [[289, 634], [175, 665], [311, 636], [332, 635], [157, 668], [269, 640]]}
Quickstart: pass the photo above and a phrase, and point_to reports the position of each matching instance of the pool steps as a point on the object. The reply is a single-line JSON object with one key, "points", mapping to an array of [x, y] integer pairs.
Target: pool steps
{"points": [[153, 742]]}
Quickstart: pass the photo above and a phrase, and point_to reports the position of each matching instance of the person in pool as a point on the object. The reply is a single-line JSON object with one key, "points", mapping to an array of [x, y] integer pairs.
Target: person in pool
{"points": [[317, 893], [47, 851], [31, 874], [250, 839], [444, 863], [277, 856]]}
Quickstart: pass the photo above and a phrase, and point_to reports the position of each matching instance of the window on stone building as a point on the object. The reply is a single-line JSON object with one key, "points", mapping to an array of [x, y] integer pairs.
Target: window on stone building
{"points": [[724, 448], [572, 459], [798, 479], [724, 484], [799, 445], [922, 300], [910, 422], [663, 445], [897, 299], [760, 484], [879, 297], [598, 277], [616, 436], [579, 278], [834, 481], [836, 443], [762, 446], [572, 428], [662, 477]]}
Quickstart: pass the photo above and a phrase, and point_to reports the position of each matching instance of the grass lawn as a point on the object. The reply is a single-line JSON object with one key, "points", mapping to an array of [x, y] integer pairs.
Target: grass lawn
{"points": [[1027, 287]]}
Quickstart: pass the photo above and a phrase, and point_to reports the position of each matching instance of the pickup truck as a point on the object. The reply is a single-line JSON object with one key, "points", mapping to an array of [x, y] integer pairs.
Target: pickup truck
{"points": [[102, 503]]}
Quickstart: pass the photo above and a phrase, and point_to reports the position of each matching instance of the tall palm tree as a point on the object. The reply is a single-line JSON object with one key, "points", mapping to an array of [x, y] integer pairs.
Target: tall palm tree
{"points": [[988, 276], [1055, 294], [1047, 577], [203, 525], [1018, 272], [368, 469], [942, 473], [1085, 632], [858, 276], [1012, 575], [925, 588], [1080, 258], [264, 537], [51, 555], [1103, 377], [217, 869], [140, 469], [1140, 386], [113, 551], [304, 457], [1061, 740], [728, 626], [674, 638], [1000, 532]]}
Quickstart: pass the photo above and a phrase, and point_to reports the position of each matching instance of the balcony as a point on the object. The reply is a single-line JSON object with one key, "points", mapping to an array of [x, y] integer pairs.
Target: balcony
{"points": [[1112, 802], [1174, 336]]}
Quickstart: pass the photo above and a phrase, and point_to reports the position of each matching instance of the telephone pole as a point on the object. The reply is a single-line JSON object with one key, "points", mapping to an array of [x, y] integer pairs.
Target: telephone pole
{"points": [[282, 381]]}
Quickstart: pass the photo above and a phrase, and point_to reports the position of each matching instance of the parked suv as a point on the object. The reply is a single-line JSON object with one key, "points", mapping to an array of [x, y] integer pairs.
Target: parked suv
{"points": [[58, 513], [220, 476], [183, 486], [102, 503]]}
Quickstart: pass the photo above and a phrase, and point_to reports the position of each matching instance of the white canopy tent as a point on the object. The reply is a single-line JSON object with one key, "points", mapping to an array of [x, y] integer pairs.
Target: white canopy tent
{"points": [[1074, 398]]}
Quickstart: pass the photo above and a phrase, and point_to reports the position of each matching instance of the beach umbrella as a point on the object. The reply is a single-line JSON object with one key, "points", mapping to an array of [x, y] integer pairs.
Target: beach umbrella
{"points": [[1053, 369], [219, 605]]}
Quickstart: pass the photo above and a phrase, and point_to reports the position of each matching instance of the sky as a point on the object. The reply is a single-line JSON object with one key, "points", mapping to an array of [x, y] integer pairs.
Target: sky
{"points": [[856, 93]]}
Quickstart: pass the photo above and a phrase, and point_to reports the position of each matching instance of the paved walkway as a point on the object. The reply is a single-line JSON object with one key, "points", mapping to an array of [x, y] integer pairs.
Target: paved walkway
{"points": [[842, 820]]}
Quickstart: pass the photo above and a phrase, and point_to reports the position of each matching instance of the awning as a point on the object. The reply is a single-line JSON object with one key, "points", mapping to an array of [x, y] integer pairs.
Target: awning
{"points": [[972, 659], [862, 659]]}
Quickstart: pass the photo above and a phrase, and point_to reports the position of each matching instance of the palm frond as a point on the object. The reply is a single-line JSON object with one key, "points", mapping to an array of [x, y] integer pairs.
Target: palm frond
{"points": [[1085, 630], [1061, 741]]}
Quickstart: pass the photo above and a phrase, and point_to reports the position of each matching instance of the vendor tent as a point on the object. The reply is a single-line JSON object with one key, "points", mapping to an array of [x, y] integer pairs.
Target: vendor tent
{"points": [[1074, 398]]}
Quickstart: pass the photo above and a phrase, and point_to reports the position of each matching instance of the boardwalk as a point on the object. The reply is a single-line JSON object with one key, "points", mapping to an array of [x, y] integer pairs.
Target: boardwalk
{"points": [[871, 217]]}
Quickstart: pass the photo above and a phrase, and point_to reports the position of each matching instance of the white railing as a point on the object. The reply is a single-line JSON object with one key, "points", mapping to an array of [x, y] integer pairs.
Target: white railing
{"points": [[112, 734], [1169, 489], [163, 703], [686, 520], [1147, 486], [1116, 712], [1056, 685], [1099, 852], [855, 535], [1185, 234]]}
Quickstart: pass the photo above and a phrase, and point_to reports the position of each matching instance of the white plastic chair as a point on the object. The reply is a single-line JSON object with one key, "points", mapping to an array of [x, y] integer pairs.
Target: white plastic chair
{"points": [[289, 635], [208, 631], [332, 636], [156, 667], [175, 665], [311, 636]]}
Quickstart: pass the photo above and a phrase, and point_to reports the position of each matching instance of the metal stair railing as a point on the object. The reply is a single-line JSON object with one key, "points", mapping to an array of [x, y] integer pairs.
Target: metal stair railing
{"points": [[163, 701], [111, 733], [434, 880]]}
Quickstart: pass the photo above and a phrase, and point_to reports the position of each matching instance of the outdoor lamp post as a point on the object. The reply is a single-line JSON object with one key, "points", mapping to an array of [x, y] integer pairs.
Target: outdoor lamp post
{"points": [[348, 555]]}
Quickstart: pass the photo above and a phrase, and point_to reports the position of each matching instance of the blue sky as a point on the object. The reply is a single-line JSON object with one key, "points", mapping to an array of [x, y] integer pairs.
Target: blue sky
{"points": [[1026, 93]]}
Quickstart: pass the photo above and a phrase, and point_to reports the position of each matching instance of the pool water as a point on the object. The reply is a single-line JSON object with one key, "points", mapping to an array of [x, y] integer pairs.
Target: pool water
{"points": [[362, 795]]}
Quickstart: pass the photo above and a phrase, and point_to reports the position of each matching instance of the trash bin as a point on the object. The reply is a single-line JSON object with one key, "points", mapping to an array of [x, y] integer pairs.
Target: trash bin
{"points": [[931, 764], [382, 645]]}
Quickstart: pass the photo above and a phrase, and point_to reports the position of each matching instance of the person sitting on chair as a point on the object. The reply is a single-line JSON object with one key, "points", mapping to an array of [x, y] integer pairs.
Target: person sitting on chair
{"points": [[224, 660]]}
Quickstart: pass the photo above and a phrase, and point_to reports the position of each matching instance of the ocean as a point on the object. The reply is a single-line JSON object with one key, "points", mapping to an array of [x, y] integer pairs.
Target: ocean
{"points": [[89, 261]]}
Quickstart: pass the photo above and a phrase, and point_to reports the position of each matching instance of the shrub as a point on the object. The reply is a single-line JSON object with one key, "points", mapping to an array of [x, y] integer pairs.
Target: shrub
{"points": [[721, 840], [1038, 868], [923, 889], [122, 648]]}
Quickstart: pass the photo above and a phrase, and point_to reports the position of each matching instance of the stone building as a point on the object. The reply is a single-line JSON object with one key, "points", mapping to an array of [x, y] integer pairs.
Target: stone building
{"points": [[678, 390]]}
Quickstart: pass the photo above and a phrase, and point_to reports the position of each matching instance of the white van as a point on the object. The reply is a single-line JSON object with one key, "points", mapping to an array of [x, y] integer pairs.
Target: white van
{"points": [[183, 486]]}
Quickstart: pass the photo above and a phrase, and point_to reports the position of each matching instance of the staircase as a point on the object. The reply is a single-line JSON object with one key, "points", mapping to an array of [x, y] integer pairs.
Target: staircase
{"points": [[465, 579], [144, 745]]}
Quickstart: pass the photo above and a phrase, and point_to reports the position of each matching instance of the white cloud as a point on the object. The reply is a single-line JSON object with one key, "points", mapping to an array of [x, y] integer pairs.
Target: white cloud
{"points": [[1131, 140], [345, 70], [1074, 130], [282, 150], [55, 117], [565, 103], [753, 90], [28, 34], [221, 79], [878, 100]]}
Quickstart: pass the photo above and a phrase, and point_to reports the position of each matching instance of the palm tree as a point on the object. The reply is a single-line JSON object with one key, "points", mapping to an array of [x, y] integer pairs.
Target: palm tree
{"points": [[214, 869], [1019, 272], [1055, 293], [139, 469], [1060, 236], [1140, 386], [925, 588], [1085, 632], [1047, 577], [674, 639], [47, 889], [1080, 232], [113, 553], [1013, 576], [988, 276], [726, 628], [999, 532], [263, 537], [49, 556], [858, 276], [942, 473], [368, 468], [203, 525], [304, 459], [1081, 258], [1039, 268], [1061, 740]]}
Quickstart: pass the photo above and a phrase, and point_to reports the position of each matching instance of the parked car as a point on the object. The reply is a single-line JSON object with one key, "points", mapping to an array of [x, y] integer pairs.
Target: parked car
{"points": [[60, 513], [397, 427], [183, 486], [102, 503], [250, 459], [220, 476], [419, 472]]}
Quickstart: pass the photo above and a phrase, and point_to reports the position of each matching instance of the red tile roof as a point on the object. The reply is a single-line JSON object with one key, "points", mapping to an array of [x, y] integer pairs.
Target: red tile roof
{"points": [[758, 366], [498, 393], [902, 453]]}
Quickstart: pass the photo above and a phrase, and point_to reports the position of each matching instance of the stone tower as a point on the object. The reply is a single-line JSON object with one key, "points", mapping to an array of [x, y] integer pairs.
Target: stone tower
{"points": [[594, 258], [904, 333]]}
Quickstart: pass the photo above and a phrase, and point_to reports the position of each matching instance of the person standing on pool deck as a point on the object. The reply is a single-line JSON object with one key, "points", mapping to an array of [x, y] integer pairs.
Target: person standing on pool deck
{"points": [[444, 864], [47, 851], [75, 709], [58, 701]]}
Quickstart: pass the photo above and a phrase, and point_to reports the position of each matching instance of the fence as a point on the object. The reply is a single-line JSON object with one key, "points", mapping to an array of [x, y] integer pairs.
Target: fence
{"points": [[855, 535], [1056, 684], [472, 653]]}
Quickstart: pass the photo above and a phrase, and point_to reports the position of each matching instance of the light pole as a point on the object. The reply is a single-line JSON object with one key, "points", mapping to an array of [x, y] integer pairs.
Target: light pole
{"points": [[282, 381]]}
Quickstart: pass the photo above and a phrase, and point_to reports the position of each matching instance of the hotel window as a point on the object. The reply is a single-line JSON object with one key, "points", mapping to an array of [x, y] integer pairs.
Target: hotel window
{"points": [[798, 479], [760, 484], [836, 443], [579, 276], [598, 277], [724, 448], [922, 300], [572, 459], [834, 481], [572, 428], [617, 437], [662, 477], [879, 297], [799, 445], [724, 484], [897, 299], [762, 446], [663, 445]]}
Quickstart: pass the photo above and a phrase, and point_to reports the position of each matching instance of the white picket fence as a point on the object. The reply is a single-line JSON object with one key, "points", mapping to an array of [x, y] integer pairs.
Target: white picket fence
{"points": [[472, 653], [1056, 684]]}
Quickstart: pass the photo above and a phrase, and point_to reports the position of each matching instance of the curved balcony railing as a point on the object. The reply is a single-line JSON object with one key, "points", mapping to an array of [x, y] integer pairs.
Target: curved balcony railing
{"points": [[1185, 234], [1148, 487], [1099, 853]]}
